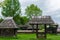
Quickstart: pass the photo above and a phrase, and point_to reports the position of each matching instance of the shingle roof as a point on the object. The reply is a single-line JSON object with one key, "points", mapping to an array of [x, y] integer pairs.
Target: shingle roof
{"points": [[8, 23], [41, 20]]}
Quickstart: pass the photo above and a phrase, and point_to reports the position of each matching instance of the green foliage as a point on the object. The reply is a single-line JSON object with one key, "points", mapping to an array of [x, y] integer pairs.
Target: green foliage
{"points": [[1, 3], [24, 20], [41, 27], [20, 20], [11, 8], [17, 19], [1, 20], [33, 10]]}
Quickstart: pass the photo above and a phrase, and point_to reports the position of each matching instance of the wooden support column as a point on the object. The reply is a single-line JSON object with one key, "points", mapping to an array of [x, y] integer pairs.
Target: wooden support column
{"points": [[32, 28], [45, 30], [56, 28], [37, 30], [15, 32]]}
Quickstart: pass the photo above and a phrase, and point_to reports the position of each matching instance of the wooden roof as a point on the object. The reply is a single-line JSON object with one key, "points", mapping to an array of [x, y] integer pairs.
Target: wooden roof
{"points": [[8, 23], [41, 20]]}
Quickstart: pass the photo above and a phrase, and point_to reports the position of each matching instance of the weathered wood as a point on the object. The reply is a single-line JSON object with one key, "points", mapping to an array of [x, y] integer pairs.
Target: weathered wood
{"points": [[44, 20], [33, 28], [7, 32], [45, 30], [37, 30], [56, 28]]}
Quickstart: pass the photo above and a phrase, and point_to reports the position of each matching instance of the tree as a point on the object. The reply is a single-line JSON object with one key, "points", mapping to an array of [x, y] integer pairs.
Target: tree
{"points": [[33, 10], [17, 19], [1, 20], [24, 20], [21, 20], [1, 3], [11, 8]]}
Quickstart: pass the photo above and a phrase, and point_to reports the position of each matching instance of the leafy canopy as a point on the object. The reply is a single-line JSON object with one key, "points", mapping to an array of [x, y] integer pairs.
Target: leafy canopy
{"points": [[33, 10], [11, 8]]}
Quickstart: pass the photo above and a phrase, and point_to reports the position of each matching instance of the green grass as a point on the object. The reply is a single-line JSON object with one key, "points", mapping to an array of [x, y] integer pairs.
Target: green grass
{"points": [[31, 37], [53, 37]]}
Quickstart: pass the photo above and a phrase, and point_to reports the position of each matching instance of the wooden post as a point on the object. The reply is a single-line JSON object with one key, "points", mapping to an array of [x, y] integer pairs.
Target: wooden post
{"points": [[32, 28], [37, 30], [56, 28], [45, 30], [15, 32]]}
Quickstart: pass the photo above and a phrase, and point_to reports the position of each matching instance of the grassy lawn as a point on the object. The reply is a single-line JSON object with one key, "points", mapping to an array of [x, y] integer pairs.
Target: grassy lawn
{"points": [[31, 37]]}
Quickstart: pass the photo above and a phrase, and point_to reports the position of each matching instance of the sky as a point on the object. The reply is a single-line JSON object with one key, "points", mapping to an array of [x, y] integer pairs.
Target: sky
{"points": [[49, 7]]}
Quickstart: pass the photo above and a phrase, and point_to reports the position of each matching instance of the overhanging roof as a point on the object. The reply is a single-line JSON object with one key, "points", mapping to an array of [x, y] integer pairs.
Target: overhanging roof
{"points": [[41, 20]]}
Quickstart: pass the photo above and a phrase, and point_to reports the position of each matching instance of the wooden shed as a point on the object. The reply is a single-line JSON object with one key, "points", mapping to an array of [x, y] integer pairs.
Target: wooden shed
{"points": [[8, 27], [45, 20]]}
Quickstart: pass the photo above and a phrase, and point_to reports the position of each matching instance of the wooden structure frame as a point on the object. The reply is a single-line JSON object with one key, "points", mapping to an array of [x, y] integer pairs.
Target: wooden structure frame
{"points": [[45, 20]]}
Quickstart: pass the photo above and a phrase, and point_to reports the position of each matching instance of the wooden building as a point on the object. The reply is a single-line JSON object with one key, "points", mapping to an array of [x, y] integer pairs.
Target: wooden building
{"points": [[23, 27], [42, 20], [8, 27]]}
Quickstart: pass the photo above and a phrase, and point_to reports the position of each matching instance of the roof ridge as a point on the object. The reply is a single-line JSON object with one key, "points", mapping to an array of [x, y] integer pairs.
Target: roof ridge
{"points": [[9, 23]]}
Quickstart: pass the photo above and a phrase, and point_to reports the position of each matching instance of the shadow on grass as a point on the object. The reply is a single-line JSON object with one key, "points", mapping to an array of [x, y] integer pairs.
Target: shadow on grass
{"points": [[49, 39], [32, 39], [8, 38], [18, 38], [39, 39]]}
